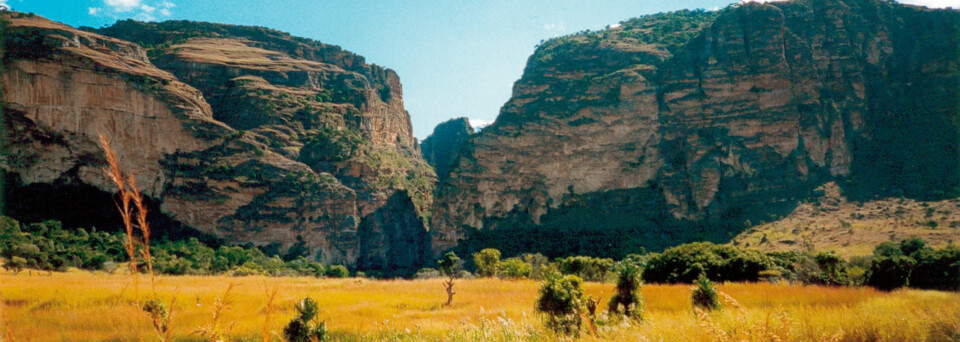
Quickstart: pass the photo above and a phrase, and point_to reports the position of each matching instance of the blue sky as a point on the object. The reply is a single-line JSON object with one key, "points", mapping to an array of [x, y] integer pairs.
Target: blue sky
{"points": [[454, 58]]}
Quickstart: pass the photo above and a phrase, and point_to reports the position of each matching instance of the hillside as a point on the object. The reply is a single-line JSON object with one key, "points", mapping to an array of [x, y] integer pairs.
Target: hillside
{"points": [[693, 125], [245, 134], [830, 222]]}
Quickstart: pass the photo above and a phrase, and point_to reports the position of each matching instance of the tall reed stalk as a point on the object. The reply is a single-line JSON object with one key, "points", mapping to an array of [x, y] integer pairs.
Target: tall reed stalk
{"points": [[135, 219]]}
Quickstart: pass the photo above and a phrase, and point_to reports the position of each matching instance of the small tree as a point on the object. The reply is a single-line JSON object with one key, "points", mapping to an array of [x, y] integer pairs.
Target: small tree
{"points": [[704, 295], [449, 266], [487, 261], [627, 301], [560, 299], [305, 327]]}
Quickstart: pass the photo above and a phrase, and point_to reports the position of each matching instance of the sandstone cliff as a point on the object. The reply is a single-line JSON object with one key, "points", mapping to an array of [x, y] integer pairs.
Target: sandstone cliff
{"points": [[441, 147], [300, 141], [690, 125]]}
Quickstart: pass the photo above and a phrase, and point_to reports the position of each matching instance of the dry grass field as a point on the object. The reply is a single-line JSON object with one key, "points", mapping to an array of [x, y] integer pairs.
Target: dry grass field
{"points": [[82, 306]]}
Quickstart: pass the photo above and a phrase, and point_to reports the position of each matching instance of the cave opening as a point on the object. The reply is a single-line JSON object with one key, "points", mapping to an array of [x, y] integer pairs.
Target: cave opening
{"points": [[78, 205]]}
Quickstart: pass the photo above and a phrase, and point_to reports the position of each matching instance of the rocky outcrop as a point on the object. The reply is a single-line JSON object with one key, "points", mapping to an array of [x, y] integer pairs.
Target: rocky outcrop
{"points": [[301, 143], [441, 147], [690, 125]]}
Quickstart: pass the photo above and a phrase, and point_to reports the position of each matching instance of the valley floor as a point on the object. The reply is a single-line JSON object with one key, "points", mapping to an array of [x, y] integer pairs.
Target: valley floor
{"points": [[81, 306]]}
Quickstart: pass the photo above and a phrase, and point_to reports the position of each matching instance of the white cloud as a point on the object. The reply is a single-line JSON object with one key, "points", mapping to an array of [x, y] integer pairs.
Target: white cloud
{"points": [[478, 124], [144, 10], [3, 3], [122, 5], [933, 3], [553, 27]]}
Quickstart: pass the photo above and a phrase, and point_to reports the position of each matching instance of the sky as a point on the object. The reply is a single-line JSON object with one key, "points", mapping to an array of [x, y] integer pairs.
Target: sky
{"points": [[455, 58]]}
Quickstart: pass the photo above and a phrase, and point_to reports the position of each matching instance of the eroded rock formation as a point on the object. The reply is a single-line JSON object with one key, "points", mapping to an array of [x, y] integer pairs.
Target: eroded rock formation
{"points": [[441, 147], [303, 141], [687, 125]]}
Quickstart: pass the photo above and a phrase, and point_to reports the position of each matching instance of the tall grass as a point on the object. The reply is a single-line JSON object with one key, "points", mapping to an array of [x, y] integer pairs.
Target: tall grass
{"points": [[135, 218], [82, 306]]}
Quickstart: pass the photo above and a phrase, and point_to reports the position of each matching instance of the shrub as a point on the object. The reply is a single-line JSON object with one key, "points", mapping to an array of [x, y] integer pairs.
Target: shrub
{"points": [[588, 268], [539, 264], [560, 300], [704, 295], [514, 268], [889, 273], [627, 301], [337, 271], [937, 269], [486, 261], [305, 327], [686, 263]]}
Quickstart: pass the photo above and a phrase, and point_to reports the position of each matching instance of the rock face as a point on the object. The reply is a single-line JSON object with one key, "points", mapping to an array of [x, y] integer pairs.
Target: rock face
{"points": [[301, 143], [441, 147], [690, 125]]}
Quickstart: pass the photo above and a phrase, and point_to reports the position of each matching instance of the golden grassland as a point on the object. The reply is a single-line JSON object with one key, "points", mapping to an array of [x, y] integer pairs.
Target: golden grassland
{"points": [[83, 306]]}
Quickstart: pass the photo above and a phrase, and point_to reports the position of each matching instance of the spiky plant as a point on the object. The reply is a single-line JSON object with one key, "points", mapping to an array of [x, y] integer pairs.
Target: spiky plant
{"points": [[627, 301], [705, 295], [305, 327]]}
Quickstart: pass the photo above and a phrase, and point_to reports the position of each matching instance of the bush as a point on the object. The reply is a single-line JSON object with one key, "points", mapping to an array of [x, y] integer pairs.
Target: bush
{"points": [[889, 273], [627, 301], [486, 261], [936, 269], [305, 327], [704, 295], [514, 268], [560, 300], [337, 271], [539, 264], [588, 268], [686, 263]]}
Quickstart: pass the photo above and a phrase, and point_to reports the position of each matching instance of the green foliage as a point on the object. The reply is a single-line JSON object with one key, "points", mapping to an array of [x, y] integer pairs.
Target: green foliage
{"points": [[305, 326], [890, 273], [912, 263], [49, 246], [627, 300], [704, 295], [159, 316], [688, 262], [936, 269], [330, 145], [449, 265], [539, 264], [337, 271], [514, 268], [560, 300], [587, 268], [486, 261]]}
